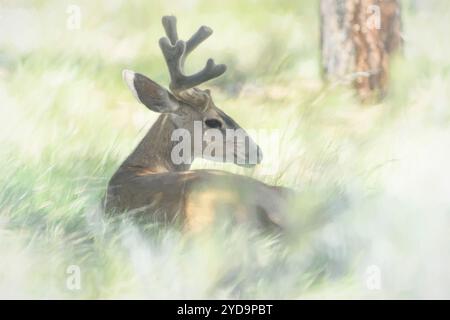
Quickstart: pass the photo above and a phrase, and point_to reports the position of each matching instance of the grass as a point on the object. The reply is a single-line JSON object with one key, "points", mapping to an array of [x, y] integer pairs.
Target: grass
{"points": [[373, 180]]}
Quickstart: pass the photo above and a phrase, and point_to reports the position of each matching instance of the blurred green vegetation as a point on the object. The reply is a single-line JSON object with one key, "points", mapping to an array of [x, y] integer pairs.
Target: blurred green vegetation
{"points": [[373, 180]]}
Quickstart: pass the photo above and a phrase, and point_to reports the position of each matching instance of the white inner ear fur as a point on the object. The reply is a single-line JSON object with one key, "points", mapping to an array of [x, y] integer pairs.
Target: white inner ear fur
{"points": [[128, 77]]}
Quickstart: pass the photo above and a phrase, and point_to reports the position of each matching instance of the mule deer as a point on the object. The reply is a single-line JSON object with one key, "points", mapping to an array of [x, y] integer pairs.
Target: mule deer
{"points": [[150, 183]]}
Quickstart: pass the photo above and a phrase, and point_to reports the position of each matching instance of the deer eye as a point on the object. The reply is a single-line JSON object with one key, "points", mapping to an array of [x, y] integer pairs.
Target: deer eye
{"points": [[213, 123]]}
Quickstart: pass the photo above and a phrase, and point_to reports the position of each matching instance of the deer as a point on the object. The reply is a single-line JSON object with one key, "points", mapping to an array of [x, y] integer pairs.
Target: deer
{"points": [[150, 184]]}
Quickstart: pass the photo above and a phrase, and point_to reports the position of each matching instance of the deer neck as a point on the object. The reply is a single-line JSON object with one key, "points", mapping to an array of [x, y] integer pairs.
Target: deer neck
{"points": [[153, 153]]}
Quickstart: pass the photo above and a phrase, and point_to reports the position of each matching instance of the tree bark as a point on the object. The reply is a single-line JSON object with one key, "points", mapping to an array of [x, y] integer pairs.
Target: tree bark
{"points": [[358, 38]]}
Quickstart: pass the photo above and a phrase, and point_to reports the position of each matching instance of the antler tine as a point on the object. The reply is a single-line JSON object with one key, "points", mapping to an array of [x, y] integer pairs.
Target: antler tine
{"points": [[173, 55], [175, 52], [170, 26], [201, 35], [210, 71]]}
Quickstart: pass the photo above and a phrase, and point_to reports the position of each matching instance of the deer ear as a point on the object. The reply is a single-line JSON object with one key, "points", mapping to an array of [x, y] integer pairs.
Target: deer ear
{"points": [[149, 93]]}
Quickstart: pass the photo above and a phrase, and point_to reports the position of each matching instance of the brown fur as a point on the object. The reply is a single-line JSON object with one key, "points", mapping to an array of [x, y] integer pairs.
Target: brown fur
{"points": [[150, 186]]}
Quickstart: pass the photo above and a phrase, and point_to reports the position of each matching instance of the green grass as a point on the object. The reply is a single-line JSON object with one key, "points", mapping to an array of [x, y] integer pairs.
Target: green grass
{"points": [[373, 180]]}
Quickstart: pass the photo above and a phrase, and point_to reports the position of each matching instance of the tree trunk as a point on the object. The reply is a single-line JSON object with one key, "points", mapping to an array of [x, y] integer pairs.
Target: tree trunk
{"points": [[358, 38]]}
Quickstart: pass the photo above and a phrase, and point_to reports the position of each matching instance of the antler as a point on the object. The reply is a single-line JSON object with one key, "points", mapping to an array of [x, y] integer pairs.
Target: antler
{"points": [[175, 52]]}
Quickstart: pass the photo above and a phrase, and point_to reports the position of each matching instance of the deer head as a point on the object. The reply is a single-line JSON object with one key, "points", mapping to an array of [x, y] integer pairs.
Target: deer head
{"points": [[187, 106]]}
